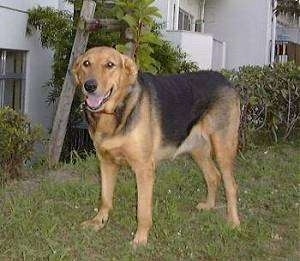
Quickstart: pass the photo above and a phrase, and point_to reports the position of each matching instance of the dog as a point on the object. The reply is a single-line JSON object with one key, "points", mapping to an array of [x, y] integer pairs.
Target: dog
{"points": [[139, 119]]}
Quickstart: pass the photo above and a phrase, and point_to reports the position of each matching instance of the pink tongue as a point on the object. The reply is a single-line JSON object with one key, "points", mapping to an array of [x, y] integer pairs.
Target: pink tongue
{"points": [[93, 101]]}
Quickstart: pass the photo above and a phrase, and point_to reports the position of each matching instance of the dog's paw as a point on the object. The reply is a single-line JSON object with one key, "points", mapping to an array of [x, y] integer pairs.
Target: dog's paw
{"points": [[205, 206], [234, 222], [140, 239], [96, 223]]}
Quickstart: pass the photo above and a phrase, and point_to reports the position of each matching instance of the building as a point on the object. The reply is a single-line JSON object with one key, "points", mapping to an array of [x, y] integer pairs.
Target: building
{"points": [[24, 65], [226, 33]]}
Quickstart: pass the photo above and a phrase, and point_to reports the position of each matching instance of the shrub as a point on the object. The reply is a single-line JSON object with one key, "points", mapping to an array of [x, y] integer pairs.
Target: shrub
{"points": [[172, 59], [17, 140], [270, 101]]}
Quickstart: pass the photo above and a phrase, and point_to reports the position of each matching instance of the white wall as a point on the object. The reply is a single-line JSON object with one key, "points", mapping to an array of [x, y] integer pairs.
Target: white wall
{"points": [[27, 4], [167, 11], [162, 5], [198, 46], [38, 60], [244, 26]]}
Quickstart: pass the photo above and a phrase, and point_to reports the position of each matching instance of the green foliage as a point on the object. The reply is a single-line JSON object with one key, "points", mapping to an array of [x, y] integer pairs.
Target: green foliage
{"points": [[270, 100], [172, 59], [55, 26], [139, 17], [17, 139], [56, 33], [291, 7]]}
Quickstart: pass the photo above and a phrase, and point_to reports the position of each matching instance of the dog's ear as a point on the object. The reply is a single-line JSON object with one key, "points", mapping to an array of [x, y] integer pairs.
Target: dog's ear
{"points": [[75, 69], [130, 69]]}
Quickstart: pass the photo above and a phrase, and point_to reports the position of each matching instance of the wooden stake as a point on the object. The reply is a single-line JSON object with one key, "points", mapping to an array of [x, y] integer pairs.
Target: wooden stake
{"points": [[68, 90]]}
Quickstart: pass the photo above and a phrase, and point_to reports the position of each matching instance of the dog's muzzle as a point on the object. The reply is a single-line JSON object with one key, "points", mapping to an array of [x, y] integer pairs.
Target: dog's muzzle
{"points": [[94, 102]]}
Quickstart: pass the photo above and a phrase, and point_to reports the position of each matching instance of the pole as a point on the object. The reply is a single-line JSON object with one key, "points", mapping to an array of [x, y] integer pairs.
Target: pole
{"points": [[68, 89]]}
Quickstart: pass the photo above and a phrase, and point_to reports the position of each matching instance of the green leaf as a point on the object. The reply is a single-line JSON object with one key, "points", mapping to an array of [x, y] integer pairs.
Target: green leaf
{"points": [[122, 48], [130, 20], [150, 38], [152, 11]]}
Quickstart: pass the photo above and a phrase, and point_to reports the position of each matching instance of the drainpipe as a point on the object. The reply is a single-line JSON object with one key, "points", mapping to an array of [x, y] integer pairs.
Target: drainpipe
{"points": [[202, 16], [169, 16], [273, 39]]}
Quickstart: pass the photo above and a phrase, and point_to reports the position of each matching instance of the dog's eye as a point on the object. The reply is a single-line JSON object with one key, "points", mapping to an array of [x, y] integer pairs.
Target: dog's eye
{"points": [[110, 65], [86, 63]]}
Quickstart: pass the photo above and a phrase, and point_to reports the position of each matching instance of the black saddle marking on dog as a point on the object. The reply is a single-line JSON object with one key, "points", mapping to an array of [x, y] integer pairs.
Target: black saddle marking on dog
{"points": [[183, 100]]}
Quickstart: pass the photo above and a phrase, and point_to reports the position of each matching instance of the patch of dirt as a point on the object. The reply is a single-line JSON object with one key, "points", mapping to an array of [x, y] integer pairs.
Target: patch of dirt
{"points": [[31, 183], [63, 176]]}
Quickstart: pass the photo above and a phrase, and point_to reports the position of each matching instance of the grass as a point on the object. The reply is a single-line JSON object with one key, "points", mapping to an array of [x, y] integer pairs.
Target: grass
{"points": [[40, 219]]}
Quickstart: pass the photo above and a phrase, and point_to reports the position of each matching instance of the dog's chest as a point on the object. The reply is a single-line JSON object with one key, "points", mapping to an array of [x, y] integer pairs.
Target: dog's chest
{"points": [[118, 156], [110, 147]]}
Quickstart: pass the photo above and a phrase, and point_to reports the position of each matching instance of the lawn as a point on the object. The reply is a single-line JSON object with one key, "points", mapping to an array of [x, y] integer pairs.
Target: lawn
{"points": [[40, 216]]}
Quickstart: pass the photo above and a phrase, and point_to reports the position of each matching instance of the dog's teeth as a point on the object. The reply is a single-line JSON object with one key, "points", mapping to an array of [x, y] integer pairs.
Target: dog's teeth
{"points": [[108, 94]]}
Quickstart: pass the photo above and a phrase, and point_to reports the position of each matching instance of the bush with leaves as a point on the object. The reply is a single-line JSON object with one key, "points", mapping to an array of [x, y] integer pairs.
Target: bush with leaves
{"points": [[270, 101], [139, 17], [56, 33], [172, 59], [17, 139]]}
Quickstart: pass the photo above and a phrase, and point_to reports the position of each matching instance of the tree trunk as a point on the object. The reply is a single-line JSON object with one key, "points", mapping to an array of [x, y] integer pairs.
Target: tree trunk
{"points": [[68, 90]]}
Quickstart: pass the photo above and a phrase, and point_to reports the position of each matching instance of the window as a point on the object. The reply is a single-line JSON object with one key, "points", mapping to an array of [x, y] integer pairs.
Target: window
{"points": [[185, 20], [12, 78]]}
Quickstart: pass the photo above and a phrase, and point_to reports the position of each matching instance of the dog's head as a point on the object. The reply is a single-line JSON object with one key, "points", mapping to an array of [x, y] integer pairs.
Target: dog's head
{"points": [[105, 76]]}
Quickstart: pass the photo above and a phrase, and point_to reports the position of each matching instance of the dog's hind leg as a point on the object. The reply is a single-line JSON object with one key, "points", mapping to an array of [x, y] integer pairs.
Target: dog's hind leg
{"points": [[108, 180], [202, 157], [225, 147]]}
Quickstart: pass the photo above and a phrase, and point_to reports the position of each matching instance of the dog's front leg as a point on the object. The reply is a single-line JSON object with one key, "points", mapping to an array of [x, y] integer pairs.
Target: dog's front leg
{"points": [[145, 176], [108, 180]]}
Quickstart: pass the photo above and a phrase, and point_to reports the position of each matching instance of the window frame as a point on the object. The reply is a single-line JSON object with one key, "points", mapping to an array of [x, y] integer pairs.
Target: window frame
{"points": [[4, 76], [190, 19]]}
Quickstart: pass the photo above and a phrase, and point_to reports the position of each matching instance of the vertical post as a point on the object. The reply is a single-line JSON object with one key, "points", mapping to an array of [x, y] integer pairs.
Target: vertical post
{"points": [[176, 15], [273, 36], [223, 55], [68, 89], [202, 16]]}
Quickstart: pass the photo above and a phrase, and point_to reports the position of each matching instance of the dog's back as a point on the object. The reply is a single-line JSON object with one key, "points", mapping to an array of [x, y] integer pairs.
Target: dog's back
{"points": [[183, 99]]}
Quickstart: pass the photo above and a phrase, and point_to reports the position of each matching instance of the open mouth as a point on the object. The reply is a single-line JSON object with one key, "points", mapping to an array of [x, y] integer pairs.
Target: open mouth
{"points": [[94, 102]]}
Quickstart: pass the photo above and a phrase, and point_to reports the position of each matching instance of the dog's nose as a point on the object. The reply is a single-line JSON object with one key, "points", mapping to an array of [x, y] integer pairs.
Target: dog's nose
{"points": [[90, 86]]}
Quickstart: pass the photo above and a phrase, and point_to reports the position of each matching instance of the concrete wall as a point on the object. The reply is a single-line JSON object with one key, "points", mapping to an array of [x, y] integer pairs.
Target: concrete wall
{"points": [[244, 26], [198, 46], [38, 60], [201, 48]]}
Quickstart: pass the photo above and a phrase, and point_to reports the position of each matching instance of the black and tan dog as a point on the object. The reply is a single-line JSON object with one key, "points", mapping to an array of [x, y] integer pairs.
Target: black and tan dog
{"points": [[141, 119]]}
